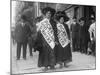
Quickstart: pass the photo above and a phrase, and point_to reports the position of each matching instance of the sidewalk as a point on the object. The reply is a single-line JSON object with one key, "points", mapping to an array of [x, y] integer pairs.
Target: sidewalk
{"points": [[80, 62]]}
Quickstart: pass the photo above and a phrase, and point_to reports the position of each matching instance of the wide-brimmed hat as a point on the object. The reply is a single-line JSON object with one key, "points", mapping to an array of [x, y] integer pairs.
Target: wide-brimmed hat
{"points": [[45, 10], [24, 17], [91, 18], [60, 14], [82, 19]]}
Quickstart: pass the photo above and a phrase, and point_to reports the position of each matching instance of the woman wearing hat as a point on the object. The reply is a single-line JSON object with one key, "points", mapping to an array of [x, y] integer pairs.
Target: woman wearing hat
{"points": [[63, 51], [46, 32]]}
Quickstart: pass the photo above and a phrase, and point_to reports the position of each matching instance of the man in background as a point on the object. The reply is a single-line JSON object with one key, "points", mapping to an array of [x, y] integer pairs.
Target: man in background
{"points": [[22, 32]]}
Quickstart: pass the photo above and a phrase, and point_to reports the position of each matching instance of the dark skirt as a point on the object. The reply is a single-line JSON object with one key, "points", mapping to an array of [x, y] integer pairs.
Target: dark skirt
{"points": [[63, 54], [46, 56]]}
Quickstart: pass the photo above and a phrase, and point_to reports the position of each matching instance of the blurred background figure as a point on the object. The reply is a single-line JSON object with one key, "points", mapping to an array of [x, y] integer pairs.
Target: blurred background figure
{"points": [[82, 35], [75, 35], [22, 32], [92, 31]]}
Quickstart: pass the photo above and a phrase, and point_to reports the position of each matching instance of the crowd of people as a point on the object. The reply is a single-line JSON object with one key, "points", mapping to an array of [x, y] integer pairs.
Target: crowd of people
{"points": [[53, 38]]}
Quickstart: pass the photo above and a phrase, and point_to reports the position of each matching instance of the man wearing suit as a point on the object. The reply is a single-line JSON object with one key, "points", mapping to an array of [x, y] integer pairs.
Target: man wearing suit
{"points": [[22, 32]]}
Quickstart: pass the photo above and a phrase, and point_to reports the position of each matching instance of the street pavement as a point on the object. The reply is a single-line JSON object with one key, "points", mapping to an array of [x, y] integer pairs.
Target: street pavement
{"points": [[79, 62]]}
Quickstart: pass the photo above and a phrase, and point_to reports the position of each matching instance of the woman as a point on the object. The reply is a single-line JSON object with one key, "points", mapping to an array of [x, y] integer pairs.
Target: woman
{"points": [[46, 34], [63, 51]]}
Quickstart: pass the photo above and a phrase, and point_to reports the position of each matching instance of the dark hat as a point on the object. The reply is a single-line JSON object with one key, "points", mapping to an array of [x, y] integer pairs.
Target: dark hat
{"points": [[28, 12], [60, 14], [82, 19], [38, 19], [45, 10], [23, 17], [91, 18]]}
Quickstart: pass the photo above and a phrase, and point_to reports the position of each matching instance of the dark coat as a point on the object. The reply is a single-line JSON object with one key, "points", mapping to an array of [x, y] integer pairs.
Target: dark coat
{"points": [[75, 30], [82, 31], [63, 54], [33, 35], [46, 53], [22, 32]]}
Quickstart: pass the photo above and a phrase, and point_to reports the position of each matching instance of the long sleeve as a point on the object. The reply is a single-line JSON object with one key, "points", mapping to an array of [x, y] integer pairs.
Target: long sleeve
{"points": [[53, 23], [38, 42], [18, 32], [28, 29], [67, 29], [92, 30]]}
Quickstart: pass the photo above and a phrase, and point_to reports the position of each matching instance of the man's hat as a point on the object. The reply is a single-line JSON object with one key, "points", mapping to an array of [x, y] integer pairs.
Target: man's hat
{"points": [[91, 18], [82, 19], [24, 17]]}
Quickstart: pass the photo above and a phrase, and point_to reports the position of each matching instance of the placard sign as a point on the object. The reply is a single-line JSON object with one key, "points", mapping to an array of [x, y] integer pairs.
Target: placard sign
{"points": [[62, 35], [47, 32]]}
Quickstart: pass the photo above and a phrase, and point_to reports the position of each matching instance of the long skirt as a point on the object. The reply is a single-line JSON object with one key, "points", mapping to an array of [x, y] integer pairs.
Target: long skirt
{"points": [[46, 57], [63, 54]]}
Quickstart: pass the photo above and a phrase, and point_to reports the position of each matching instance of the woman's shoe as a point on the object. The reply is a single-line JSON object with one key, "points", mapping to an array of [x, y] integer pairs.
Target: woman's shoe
{"points": [[45, 69], [65, 64], [52, 67]]}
